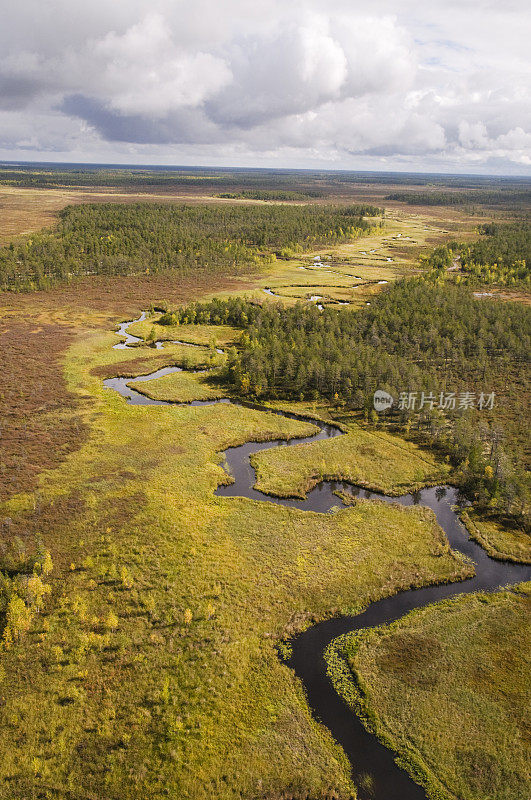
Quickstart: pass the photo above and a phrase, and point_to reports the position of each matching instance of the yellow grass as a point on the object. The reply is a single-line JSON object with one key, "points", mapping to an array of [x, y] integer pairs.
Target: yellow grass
{"points": [[447, 687], [180, 387], [365, 457], [508, 544]]}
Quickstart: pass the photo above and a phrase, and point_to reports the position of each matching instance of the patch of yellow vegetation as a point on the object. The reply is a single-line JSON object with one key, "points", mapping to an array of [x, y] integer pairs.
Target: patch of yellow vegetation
{"points": [[447, 687], [365, 457], [507, 544], [180, 387], [208, 335]]}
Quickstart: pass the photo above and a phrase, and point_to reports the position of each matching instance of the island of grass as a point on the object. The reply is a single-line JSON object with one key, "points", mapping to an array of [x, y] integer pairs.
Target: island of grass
{"points": [[208, 335], [448, 688], [365, 457], [181, 387]]}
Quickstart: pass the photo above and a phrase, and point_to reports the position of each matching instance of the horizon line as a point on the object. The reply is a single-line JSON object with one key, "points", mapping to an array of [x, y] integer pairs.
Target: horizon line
{"points": [[180, 167]]}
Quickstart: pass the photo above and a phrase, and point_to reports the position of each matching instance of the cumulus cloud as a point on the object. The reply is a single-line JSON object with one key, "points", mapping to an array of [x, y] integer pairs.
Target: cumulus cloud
{"points": [[284, 72], [306, 83], [144, 71]]}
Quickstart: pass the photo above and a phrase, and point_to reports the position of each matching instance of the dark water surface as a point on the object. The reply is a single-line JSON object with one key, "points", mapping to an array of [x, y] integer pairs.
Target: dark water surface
{"points": [[366, 754]]}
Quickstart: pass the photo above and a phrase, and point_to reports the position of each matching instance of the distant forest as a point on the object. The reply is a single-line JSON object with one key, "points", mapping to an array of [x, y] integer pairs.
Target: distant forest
{"points": [[513, 197], [271, 194], [123, 239], [242, 180]]}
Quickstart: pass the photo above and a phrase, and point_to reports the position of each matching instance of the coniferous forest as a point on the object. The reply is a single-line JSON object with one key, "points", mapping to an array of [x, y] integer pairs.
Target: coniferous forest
{"points": [[116, 239], [501, 255], [409, 331]]}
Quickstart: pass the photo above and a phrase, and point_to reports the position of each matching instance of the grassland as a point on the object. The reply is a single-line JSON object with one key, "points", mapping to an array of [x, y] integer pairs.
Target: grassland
{"points": [[39, 419], [153, 669], [373, 459], [348, 272], [447, 687], [216, 335], [500, 541], [180, 387]]}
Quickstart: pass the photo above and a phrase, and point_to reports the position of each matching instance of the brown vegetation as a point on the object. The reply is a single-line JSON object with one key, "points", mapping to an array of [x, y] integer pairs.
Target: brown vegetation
{"points": [[33, 393], [117, 295]]}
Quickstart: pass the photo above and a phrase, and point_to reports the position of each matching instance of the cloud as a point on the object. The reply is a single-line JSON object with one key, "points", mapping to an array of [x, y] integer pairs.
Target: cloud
{"points": [[143, 71], [443, 84], [281, 73]]}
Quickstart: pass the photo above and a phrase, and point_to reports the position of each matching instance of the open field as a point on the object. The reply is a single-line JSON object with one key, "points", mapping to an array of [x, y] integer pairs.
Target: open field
{"points": [[106, 301], [218, 335], [40, 420], [447, 687], [153, 666], [373, 459]]}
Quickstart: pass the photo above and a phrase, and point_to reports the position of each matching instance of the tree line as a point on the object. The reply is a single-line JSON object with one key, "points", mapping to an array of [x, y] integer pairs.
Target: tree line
{"points": [[234, 180], [123, 239], [515, 197], [270, 195]]}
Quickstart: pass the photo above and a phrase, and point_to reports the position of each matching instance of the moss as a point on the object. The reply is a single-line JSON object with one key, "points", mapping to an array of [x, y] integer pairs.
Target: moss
{"points": [[372, 459]]}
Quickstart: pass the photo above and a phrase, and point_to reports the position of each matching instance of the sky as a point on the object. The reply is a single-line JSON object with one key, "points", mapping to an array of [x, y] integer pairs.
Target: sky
{"points": [[436, 86]]}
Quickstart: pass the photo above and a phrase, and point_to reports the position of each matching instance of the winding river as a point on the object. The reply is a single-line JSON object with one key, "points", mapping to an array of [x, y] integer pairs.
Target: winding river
{"points": [[366, 754]]}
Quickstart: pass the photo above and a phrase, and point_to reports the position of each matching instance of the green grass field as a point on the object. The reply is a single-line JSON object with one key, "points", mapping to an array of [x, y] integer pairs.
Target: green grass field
{"points": [[180, 387], [217, 335], [447, 687]]}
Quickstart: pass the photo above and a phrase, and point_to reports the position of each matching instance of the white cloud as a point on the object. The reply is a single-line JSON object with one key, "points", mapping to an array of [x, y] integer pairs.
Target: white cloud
{"points": [[143, 71], [444, 84]]}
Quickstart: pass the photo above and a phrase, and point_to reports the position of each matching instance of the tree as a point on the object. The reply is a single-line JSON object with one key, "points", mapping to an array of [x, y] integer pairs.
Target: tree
{"points": [[18, 617]]}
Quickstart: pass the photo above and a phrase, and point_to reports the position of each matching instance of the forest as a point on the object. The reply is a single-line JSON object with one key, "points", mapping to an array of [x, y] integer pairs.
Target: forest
{"points": [[506, 196], [400, 342], [268, 195], [124, 239], [427, 338], [501, 255]]}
